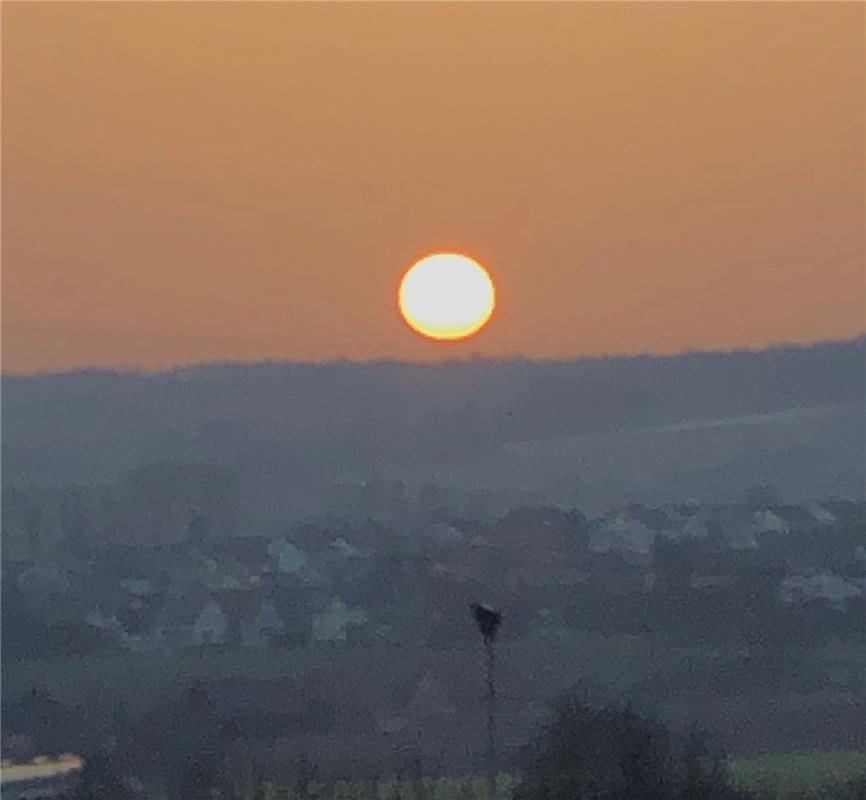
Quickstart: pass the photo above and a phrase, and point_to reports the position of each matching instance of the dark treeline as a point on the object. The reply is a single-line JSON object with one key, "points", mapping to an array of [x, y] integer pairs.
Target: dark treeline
{"points": [[342, 410]]}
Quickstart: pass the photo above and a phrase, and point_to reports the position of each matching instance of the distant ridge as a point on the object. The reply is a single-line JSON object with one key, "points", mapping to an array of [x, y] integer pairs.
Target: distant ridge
{"points": [[204, 368], [299, 424]]}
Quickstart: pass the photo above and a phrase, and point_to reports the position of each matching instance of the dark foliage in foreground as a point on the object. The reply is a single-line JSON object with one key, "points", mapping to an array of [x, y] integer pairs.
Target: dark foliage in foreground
{"points": [[616, 754]]}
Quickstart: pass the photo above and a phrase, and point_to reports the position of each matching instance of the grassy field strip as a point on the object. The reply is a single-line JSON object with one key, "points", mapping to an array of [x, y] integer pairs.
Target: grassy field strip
{"points": [[469, 787], [787, 773]]}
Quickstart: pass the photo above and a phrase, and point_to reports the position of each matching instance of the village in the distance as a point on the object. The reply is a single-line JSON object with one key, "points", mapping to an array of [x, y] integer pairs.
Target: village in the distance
{"points": [[173, 618]]}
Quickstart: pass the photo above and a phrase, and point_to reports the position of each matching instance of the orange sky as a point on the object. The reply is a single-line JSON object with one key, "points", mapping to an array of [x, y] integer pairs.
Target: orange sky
{"points": [[199, 181]]}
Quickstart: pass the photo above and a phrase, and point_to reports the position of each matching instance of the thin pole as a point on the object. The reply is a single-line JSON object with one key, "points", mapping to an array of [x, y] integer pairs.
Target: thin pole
{"points": [[491, 721]]}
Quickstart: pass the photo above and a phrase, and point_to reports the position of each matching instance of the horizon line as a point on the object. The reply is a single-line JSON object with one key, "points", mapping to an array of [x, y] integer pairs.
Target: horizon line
{"points": [[191, 366]]}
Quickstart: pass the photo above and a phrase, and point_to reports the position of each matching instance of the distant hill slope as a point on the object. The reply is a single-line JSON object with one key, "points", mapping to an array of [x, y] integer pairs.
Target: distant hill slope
{"points": [[364, 418], [804, 453]]}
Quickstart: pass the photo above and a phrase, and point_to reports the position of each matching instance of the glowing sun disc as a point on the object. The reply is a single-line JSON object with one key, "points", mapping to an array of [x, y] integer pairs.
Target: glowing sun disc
{"points": [[446, 296]]}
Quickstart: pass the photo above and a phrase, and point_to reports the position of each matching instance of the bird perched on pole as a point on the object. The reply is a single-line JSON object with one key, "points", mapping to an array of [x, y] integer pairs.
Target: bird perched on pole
{"points": [[488, 620]]}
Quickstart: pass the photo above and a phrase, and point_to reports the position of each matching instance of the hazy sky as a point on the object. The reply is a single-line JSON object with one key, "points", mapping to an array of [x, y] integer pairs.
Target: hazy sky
{"points": [[199, 181]]}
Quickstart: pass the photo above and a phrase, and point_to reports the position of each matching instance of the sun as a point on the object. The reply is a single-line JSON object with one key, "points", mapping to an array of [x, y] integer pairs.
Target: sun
{"points": [[446, 296]]}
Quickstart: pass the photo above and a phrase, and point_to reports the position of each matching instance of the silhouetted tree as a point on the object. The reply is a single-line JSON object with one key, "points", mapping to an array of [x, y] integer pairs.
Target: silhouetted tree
{"points": [[615, 754]]}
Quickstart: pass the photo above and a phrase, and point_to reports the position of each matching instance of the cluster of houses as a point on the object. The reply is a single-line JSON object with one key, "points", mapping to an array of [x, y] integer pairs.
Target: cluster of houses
{"points": [[246, 591], [741, 530], [314, 585]]}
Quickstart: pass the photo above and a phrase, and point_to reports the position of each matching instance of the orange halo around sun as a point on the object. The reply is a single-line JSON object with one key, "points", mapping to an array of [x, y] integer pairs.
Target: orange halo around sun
{"points": [[446, 296]]}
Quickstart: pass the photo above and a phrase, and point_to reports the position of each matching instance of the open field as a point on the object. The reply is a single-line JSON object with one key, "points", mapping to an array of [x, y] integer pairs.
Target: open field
{"points": [[787, 773], [784, 775], [141, 679], [658, 676]]}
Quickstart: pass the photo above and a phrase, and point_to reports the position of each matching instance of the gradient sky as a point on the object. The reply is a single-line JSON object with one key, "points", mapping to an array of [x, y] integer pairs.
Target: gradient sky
{"points": [[212, 181]]}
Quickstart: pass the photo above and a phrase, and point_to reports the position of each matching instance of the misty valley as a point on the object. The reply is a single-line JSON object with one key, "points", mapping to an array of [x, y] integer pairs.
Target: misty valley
{"points": [[256, 580]]}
